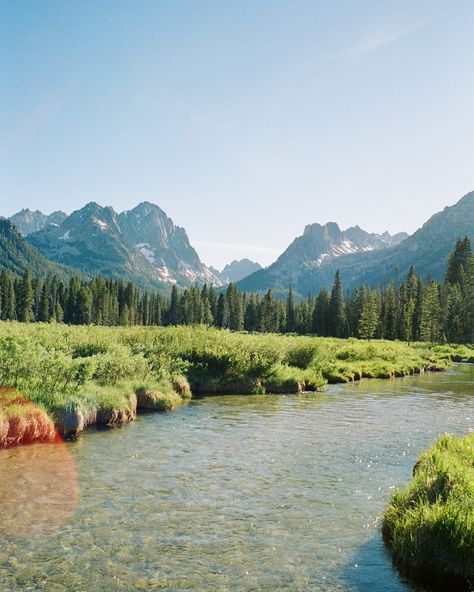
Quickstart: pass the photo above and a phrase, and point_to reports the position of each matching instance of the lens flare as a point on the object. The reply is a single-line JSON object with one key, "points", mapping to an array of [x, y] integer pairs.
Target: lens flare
{"points": [[38, 481]]}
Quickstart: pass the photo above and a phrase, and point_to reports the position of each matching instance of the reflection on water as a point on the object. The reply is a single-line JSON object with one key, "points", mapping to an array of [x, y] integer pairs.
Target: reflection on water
{"points": [[242, 493]]}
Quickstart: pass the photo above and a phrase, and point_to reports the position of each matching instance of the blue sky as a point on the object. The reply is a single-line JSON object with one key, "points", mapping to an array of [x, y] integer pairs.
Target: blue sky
{"points": [[244, 121]]}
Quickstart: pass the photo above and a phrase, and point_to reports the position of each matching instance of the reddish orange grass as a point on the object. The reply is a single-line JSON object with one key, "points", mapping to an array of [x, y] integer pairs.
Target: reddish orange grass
{"points": [[21, 421], [38, 488]]}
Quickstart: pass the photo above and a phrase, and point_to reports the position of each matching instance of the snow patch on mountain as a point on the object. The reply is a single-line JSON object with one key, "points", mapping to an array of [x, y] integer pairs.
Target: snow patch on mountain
{"points": [[100, 223], [147, 251], [165, 276]]}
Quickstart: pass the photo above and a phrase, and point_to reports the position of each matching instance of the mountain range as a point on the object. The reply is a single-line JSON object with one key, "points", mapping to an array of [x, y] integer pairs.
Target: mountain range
{"points": [[28, 221], [312, 259], [236, 270], [145, 246], [142, 245]]}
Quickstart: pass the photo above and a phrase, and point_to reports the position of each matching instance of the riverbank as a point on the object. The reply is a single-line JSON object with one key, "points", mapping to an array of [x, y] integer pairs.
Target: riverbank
{"points": [[429, 525], [286, 488], [83, 376]]}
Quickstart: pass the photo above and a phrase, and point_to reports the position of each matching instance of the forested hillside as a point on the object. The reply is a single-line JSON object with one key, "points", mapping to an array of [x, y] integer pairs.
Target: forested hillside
{"points": [[410, 310], [307, 269], [17, 255], [142, 245]]}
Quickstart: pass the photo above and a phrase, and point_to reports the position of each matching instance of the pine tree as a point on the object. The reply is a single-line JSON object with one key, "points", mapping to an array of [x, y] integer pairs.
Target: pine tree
{"points": [[408, 316], [186, 312], [401, 309], [320, 317], [290, 312], [213, 301], [369, 318], [468, 303], [8, 312], [268, 314], [124, 316], [430, 329], [458, 262], [355, 309], [174, 306], [389, 314], [418, 309], [222, 312], [44, 304], [280, 316], [58, 313], [71, 311], [25, 299], [452, 312], [337, 312], [236, 313], [84, 306], [207, 316], [251, 314]]}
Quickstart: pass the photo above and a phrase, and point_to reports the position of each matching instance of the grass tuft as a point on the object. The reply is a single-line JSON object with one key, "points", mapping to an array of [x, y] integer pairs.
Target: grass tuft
{"points": [[429, 525], [21, 421]]}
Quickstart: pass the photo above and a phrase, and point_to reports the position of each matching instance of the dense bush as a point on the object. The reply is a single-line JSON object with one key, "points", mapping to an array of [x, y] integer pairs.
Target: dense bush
{"points": [[63, 367]]}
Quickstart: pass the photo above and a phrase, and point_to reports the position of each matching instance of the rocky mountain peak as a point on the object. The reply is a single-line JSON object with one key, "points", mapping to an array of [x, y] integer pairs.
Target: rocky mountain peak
{"points": [[142, 244], [237, 270], [28, 221]]}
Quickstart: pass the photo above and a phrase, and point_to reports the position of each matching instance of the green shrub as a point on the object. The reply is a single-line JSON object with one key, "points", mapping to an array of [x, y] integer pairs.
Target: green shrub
{"points": [[117, 364], [61, 366], [301, 355]]}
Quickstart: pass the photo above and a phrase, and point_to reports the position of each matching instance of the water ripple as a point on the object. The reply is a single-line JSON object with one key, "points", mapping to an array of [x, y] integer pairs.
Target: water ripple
{"points": [[236, 493]]}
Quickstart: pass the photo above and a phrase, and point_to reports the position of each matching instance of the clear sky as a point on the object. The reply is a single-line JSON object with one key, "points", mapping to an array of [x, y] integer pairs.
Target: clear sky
{"points": [[243, 120]]}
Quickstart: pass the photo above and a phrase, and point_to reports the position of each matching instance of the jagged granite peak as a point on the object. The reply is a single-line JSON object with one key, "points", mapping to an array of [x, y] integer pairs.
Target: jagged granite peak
{"points": [[237, 270], [90, 240], [57, 218], [368, 258], [28, 221], [165, 245], [371, 241], [321, 243], [92, 218], [427, 249], [141, 244], [397, 238]]}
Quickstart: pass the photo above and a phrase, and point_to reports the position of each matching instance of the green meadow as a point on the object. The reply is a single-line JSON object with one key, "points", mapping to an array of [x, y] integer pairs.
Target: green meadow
{"points": [[56, 378], [87, 375]]}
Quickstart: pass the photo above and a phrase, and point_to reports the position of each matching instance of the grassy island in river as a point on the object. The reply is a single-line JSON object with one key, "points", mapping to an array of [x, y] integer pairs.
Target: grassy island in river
{"points": [[429, 525], [76, 376]]}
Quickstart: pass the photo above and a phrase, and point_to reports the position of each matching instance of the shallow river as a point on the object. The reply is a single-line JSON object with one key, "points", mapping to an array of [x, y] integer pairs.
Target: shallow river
{"points": [[230, 493]]}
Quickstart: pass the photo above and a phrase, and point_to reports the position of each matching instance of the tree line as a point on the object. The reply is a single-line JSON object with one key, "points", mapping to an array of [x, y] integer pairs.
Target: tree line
{"points": [[411, 311]]}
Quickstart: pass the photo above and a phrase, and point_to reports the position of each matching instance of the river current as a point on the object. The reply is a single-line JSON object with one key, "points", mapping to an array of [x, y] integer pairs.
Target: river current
{"points": [[230, 493]]}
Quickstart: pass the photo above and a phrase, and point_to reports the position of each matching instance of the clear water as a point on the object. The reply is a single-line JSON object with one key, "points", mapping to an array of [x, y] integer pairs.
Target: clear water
{"points": [[229, 493]]}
